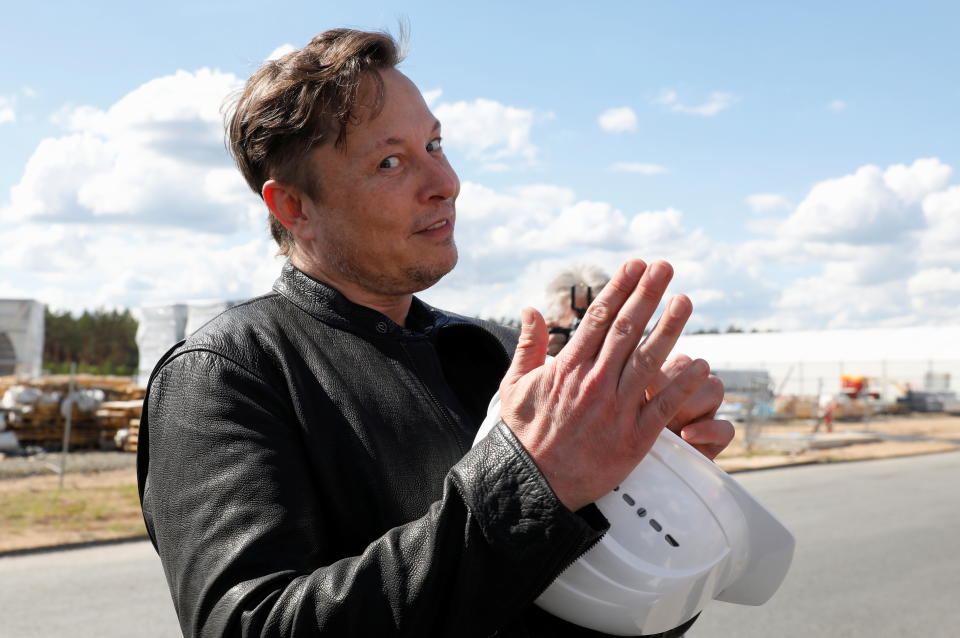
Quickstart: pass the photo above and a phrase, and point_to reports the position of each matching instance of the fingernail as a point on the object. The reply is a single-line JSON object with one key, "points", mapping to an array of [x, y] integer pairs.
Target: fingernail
{"points": [[660, 273], [699, 366], [689, 432], [633, 268], [527, 317], [676, 308]]}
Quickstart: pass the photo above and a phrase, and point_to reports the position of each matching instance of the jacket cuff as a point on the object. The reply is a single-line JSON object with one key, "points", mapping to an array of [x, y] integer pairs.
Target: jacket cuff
{"points": [[515, 507]]}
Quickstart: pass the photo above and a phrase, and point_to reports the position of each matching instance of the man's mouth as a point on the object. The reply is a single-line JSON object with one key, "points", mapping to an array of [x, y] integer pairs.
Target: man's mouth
{"points": [[439, 224]]}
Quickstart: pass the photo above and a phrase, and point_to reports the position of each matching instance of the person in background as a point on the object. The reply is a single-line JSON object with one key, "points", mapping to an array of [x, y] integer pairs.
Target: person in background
{"points": [[568, 295], [306, 460]]}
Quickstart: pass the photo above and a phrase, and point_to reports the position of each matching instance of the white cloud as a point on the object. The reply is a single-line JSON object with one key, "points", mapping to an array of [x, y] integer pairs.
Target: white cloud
{"points": [[913, 183], [85, 266], [940, 240], [488, 131], [618, 120], [935, 280], [870, 206], [882, 247], [512, 242], [935, 294], [824, 302], [767, 202], [716, 102], [138, 203], [544, 219], [155, 157], [281, 51], [837, 106], [431, 97], [7, 113], [638, 167]]}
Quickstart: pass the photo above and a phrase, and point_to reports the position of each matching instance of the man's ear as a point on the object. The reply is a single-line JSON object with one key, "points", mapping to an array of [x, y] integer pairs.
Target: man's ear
{"points": [[286, 203]]}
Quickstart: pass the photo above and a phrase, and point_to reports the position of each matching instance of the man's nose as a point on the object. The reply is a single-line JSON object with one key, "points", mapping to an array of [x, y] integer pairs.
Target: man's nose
{"points": [[440, 181]]}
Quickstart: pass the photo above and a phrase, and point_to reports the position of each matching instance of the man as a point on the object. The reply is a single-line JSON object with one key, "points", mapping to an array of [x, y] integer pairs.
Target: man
{"points": [[305, 460]]}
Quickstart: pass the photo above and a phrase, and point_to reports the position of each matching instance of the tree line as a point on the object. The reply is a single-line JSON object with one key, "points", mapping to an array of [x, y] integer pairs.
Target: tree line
{"points": [[104, 341], [100, 342]]}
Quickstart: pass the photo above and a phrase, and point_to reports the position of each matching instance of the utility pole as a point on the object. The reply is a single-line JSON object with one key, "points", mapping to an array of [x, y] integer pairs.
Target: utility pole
{"points": [[67, 409]]}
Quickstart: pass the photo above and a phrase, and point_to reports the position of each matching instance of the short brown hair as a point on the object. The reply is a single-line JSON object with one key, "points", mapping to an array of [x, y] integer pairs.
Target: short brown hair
{"points": [[299, 101]]}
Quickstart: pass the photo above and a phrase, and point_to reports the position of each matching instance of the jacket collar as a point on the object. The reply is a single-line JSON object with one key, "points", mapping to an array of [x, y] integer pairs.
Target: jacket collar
{"points": [[328, 305]]}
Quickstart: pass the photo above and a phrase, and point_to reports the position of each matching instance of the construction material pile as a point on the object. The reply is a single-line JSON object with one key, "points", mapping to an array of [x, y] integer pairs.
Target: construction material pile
{"points": [[36, 410], [791, 406]]}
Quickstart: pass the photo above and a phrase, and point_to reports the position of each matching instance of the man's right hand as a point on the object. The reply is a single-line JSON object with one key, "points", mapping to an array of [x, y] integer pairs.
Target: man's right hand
{"points": [[584, 417]]}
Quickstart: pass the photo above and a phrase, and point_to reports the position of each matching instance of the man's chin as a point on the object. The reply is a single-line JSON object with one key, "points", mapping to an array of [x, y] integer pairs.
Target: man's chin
{"points": [[424, 277]]}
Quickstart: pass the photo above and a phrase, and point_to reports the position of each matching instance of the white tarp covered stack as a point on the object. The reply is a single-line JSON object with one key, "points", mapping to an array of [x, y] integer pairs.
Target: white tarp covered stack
{"points": [[162, 326], [159, 328], [200, 313], [21, 336]]}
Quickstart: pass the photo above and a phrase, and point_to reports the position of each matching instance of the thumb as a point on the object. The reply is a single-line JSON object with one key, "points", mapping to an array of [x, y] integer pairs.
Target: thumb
{"points": [[531, 348]]}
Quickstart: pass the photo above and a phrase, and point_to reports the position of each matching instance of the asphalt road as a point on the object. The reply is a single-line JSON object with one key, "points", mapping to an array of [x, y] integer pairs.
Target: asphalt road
{"points": [[107, 591], [878, 555], [878, 552]]}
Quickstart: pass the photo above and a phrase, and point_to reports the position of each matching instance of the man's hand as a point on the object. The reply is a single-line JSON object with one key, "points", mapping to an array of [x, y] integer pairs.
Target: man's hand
{"points": [[696, 420], [585, 417]]}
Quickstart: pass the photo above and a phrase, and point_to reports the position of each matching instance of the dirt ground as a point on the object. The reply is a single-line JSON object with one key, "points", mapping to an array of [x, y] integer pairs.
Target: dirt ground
{"points": [[102, 504], [92, 506], [915, 434]]}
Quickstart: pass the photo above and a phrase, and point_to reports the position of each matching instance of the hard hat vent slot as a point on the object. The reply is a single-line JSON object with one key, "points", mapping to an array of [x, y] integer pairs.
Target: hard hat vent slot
{"points": [[642, 513]]}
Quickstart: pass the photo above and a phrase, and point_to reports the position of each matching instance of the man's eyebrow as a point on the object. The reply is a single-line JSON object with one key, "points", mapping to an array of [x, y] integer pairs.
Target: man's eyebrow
{"points": [[399, 141]]}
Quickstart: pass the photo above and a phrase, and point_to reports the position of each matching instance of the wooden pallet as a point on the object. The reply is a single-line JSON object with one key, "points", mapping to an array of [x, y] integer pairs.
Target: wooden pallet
{"points": [[42, 424]]}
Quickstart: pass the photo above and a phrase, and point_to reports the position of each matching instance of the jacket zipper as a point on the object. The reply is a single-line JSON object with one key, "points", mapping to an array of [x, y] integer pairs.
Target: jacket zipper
{"points": [[437, 405]]}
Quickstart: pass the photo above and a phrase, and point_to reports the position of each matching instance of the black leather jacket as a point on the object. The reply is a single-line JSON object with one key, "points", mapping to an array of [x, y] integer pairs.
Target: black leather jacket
{"points": [[305, 469]]}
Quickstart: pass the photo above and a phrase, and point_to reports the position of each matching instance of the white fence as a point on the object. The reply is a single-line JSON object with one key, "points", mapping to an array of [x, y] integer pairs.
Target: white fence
{"points": [[890, 378]]}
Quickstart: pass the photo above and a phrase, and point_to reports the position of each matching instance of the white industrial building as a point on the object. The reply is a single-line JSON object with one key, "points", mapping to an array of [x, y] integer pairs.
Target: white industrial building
{"points": [[21, 336], [923, 358]]}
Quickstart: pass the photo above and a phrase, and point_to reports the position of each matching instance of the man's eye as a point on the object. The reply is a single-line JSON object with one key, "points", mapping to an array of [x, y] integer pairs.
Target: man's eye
{"points": [[391, 162], [434, 145]]}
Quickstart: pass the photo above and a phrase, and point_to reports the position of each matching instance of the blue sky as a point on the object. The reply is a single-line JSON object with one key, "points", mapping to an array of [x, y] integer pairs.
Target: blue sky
{"points": [[797, 162]]}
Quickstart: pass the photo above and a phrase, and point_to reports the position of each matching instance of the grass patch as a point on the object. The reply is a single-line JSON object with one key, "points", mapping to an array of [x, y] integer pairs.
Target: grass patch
{"points": [[38, 517]]}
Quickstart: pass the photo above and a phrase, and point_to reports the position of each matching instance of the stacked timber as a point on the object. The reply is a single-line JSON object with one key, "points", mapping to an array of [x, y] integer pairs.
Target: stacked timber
{"points": [[114, 388], [120, 421], [43, 424], [38, 407]]}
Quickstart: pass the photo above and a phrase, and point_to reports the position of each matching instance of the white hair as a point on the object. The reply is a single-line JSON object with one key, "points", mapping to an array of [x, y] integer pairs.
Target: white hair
{"points": [[579, 275]]}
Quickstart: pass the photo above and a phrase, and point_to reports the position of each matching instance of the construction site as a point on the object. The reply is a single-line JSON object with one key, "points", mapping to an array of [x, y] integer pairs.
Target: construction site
{"points": [[805, 390], [814, 397]]}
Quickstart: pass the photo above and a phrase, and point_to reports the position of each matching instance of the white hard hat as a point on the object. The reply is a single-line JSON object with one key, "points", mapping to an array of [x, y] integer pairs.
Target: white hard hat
{"points": [[682, 532]]}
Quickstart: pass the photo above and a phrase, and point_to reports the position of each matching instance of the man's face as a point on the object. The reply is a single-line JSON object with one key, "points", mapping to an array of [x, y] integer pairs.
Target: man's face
{"points": [[384, 220]]}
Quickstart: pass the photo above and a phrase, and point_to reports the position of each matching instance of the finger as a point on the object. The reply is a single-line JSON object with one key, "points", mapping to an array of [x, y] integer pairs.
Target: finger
{"points": [[654, 416], [703, 404], [531, 347], [668, 372], [592, 331], [646, 360], [626, 331], [710, 436]]}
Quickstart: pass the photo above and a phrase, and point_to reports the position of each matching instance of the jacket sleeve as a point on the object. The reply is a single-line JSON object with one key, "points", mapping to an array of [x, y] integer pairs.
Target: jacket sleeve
{"points": [[229, 502]]}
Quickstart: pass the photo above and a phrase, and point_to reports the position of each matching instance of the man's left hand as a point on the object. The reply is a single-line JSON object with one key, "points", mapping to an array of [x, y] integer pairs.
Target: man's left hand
{"points": [[696, 422]]}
